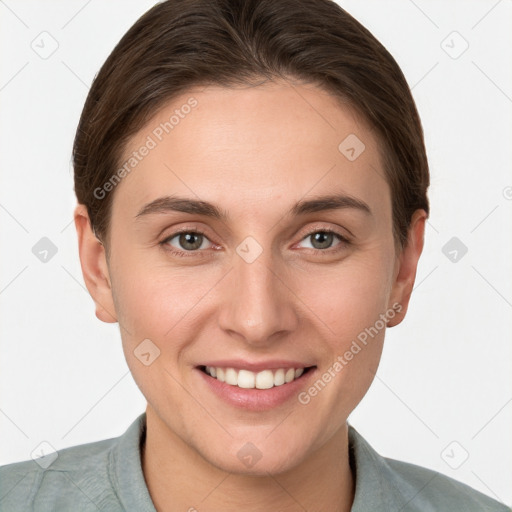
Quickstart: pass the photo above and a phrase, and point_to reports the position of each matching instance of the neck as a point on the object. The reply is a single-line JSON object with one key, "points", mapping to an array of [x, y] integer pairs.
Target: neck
{"points": [[179, 478]]}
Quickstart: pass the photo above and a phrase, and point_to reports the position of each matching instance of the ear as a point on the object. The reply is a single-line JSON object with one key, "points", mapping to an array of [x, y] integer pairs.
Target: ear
{"points": [[405, 269], [94, 266]]}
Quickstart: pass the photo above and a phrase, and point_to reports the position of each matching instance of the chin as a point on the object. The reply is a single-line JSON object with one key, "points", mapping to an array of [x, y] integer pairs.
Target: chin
{"points": [[259, 458], [264, 466]]}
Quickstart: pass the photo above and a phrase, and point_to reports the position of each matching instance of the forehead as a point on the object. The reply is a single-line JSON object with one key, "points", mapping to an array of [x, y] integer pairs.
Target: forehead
{"points": [[246, 146]]}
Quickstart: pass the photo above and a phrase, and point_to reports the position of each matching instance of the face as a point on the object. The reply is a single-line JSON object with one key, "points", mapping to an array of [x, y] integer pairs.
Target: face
{"points": [[269, 287]]}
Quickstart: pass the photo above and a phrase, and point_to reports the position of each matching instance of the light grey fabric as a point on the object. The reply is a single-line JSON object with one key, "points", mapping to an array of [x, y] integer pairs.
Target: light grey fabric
{"points": [[388, 485], [107, 476], [104, 475]]}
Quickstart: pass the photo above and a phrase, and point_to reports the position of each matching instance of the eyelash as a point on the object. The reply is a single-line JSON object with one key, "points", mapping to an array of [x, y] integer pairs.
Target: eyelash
{"points": [[184, 254]]}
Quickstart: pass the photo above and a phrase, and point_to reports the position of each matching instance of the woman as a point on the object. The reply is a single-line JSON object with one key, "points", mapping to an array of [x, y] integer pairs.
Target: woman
{"points": [[252, 185]]}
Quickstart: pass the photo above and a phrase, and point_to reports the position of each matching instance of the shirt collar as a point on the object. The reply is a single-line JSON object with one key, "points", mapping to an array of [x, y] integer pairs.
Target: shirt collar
{"points": [[375, 486], [126, 468]]}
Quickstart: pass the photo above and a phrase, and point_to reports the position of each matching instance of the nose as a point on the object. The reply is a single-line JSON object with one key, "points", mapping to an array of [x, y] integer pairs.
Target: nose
{"points": [[259, 307]]}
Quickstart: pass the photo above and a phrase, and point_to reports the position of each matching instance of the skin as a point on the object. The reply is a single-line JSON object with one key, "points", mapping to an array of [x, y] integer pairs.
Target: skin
{"points": [[254, 152]]}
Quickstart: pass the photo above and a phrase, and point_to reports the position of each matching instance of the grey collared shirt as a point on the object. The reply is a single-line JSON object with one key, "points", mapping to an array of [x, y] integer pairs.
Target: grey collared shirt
{"points": [[107, 476]]}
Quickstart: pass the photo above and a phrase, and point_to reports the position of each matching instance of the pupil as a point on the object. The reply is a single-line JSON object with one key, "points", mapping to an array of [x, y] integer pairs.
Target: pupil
{"points": [[187, 239], [327, 238]]}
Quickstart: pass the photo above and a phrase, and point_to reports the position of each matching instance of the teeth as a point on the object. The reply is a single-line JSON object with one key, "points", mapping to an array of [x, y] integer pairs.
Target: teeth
{"points": [[279, 377], [290, 375], [231, 377], [246, 379], [264, 379]]}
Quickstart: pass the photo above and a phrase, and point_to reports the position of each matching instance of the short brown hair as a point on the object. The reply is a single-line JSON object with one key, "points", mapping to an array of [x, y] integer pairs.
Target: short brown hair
{"points": [[179, 44]]}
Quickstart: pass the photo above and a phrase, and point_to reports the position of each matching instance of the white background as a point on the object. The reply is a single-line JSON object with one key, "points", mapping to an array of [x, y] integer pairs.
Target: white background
{"points": [[445, 372]]}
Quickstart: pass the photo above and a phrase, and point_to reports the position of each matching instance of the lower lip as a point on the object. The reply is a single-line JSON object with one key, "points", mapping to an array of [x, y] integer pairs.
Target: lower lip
{"points": [[257, 399]]}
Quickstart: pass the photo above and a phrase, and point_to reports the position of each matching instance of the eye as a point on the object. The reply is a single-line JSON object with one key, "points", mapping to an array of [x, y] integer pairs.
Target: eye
{"points": [[188, 241], [322, 240]]}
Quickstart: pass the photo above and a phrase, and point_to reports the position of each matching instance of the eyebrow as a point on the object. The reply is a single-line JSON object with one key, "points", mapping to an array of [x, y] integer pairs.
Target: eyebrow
{"points": [[316, 204]]}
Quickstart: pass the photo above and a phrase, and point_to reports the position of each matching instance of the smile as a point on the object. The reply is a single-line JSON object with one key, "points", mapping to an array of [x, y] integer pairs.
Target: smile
{"points": [[247, 379]]}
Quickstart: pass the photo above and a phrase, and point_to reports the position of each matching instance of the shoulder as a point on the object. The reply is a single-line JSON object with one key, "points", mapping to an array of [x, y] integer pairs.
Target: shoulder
{"points": [[74, 478], [387, 484], [434, 491]]}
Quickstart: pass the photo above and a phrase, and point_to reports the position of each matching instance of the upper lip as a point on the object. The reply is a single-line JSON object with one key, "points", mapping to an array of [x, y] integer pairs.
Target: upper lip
{"points": [[253, 366]]}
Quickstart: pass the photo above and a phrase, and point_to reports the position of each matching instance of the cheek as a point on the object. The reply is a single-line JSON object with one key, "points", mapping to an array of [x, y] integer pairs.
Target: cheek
{"points": [[349, 297], [164, 303], [151, 294], [155, 303], [351, 306]]}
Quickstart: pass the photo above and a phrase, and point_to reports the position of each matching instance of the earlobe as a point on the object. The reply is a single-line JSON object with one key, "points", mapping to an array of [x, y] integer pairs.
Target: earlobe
{"points": [[407, 265], [94, 266]]}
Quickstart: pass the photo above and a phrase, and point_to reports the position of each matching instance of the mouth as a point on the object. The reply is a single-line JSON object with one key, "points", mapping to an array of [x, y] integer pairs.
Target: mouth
{"points": [[263, 379]]}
